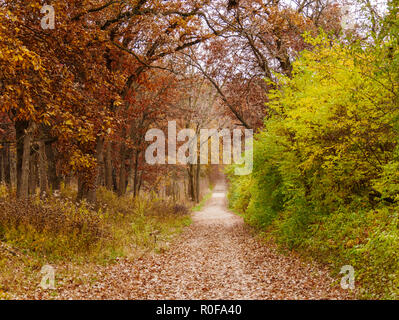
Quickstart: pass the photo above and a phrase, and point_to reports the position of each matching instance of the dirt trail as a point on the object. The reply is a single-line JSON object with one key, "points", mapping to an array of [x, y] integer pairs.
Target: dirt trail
{"points": [[215, 258]]}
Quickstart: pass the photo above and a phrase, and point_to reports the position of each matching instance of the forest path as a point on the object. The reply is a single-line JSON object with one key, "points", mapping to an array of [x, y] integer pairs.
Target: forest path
{"points": [[215, 258]]}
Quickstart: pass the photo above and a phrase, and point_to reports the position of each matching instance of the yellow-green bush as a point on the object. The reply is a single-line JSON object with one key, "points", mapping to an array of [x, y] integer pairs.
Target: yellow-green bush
{"points": [[325, 178]]}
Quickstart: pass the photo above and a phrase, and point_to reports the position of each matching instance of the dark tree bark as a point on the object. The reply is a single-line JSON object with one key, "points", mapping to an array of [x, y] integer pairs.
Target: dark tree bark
{"points": [[108, 167], [53, 178], [23, 190], [12, 167], [122, 172], [20, 128], [197, 179], [136, 174], [6, 165], [191, 182], [92, 191], [2, 164], [42, 168], [114, 180], [82, 189], [33, 172]]}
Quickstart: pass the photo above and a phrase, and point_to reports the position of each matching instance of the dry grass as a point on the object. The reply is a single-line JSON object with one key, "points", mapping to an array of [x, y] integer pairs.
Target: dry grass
{"points": [[76, 237]]}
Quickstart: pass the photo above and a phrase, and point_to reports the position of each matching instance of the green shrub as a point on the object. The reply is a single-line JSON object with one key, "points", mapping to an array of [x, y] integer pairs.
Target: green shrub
{"points": [[325, 180]]}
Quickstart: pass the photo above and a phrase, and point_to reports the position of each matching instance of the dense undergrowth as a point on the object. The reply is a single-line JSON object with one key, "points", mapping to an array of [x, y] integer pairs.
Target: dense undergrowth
{"points": [[57, 230], [326, 165]]}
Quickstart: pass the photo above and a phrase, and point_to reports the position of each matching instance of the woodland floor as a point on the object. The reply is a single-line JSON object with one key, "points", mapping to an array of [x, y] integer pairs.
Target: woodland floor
{"points": [[215, 258]]}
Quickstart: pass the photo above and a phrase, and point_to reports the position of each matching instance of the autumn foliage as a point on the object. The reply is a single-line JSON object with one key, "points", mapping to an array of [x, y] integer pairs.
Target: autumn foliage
{"points": [[325, 164], [77, 100]]}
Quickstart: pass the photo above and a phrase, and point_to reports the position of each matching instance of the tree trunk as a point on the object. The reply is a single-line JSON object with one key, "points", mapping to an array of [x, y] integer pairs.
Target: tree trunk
{"points": [[2, 164], [114, 180], [23, 191], [140, 182], [33, 174], [12, 166], [136, 168], [42, 168], [122, 172], [20, 128], [108, 167], [7, 165], [82, 189], [197, 179], [53, 178], [191, 188], [92, 192]]}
